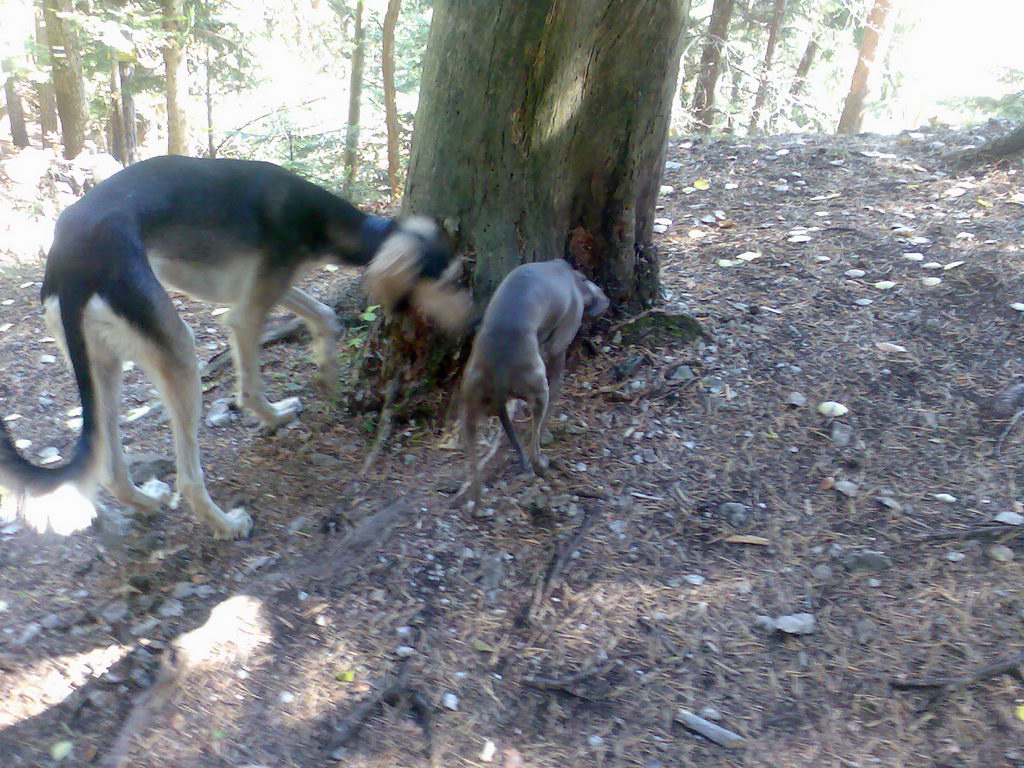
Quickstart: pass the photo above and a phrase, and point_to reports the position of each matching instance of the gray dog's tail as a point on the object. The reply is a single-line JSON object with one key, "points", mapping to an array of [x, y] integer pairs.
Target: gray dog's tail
{"points": [[414, 266]]}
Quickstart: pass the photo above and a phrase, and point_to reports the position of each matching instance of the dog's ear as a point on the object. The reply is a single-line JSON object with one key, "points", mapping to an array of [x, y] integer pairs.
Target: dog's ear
{"points": [[594, 300]]}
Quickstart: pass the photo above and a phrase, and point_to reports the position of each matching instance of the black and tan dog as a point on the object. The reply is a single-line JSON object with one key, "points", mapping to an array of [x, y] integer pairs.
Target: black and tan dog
{"points": [[234, 232]]}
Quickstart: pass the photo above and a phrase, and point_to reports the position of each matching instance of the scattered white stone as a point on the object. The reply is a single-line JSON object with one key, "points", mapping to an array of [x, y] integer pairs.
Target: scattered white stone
{"points": [[930, 282], [796, 399], [931, 265], [888, 346], [863, 302], [1000, 553], [945, 497], [749, 255], [693, 578], [855, 273], [157, 489], [405, 651], [666, 189], [659, 229], [913, 256], [955, 557], [220, 413], [952, 265], [221, 311], [846, 487], [286, 697], [1017, 306], [171, 607], [663, 222], [832, 410], [47, 359], [450, 701], [799, 239], [795, 624], [885, 285], [595, 740], [1009, 518]]}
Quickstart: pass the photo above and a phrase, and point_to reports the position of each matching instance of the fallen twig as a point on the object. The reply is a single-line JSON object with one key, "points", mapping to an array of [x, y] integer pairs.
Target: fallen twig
{"points": [[384, 428], [570, 683], [709, 730], [986, 530], [561, 558], [1002, 437], [947, 685]]}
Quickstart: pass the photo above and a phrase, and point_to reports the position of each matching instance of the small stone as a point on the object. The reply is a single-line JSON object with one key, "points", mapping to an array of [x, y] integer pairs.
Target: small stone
{"points": [[219, 414], [618, 526], [796, 399], [1000, 553], [710, 713], [735, 514], [841, 434], [146, 626], [955, 557], [846, 488], [866, 560], [325, 461], [595, 740], [1009, 518], [182, 590], [488, 752], [29, 633], [821, 572], [298, 524], [286, 697], [795, 624], [114, 612], [874, 583], [694, 578], [683, 373], [405, 651], [948, 498], [864, 630], [764, 623], [53, 621], [170, 608], [450, 701]]}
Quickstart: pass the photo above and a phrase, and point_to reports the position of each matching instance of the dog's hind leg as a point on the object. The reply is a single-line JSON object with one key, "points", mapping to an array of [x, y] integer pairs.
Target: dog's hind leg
{"points": [[325, 328], [510, 433], [539, 403], [245, 321], [174, 369]]}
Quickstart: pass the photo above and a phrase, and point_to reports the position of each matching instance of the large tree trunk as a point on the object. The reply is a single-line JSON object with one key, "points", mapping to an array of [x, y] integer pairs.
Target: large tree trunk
{"points": [[48, 124], [804, 68], [355, 97], [176, 74], [541, 133], [15, 112], [387, 66], [710, 66], [68, 84], [774, 28], [853, 108]]}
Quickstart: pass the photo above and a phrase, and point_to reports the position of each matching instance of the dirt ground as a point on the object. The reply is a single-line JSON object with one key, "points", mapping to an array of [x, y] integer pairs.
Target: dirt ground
{"points": [[570, 626]]}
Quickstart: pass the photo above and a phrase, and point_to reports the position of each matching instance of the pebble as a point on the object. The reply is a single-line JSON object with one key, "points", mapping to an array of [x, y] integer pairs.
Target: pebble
{"points": [[171, 607], [53, 621], [866, 560], [955, 557], [146, 626], [595, 740], [736, 514], [219, 414], [821, 572], [182, 590], [710, 713], [1009, 518], [405, 651], [694, 578], [796, 399], [765, 623], [114, 612], [1000, 553], [846, 488], [618, 526], [841, 434], [450, 701], [488, 752], [29, 633], [795, 624]]}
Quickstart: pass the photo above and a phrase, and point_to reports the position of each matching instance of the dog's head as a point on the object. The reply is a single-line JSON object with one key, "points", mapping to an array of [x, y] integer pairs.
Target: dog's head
{"points": [[594, 300], [416, 265]]}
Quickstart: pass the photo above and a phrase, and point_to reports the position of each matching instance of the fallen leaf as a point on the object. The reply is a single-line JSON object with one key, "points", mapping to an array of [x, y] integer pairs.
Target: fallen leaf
{"points": [[888, 346], [701, 184], [60, 750], [480, 645]]}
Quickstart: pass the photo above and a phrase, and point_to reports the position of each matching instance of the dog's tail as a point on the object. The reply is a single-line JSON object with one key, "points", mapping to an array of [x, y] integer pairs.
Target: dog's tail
{"points": [[415, 266], [65, 488]]}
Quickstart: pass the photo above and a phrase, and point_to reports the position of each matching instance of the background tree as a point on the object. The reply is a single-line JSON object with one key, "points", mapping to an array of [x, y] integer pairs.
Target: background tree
{"points": [[710, 65], [390, 107], [68, 84], [15, 111], [48, 122], [853, 107], [774, 28], [355, 97], [176, 73]]}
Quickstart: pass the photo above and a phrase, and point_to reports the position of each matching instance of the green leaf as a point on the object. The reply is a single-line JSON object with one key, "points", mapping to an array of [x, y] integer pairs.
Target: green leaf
{"points": [[480, 645], [60, 750]]}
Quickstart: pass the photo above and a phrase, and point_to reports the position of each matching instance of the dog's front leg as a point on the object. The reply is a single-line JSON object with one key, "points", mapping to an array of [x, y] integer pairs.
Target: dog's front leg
{"points": [[246, 325]]}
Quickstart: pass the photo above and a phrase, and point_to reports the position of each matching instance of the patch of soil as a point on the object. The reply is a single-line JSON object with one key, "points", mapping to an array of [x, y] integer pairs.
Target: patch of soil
{"points": [[654, 608]]}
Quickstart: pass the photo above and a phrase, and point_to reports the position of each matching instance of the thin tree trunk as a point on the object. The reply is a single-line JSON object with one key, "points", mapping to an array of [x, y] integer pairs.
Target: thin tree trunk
{"points": [[117, 142], [686, 38], [354, 99], [68, 84], [769, 54], [390, 107], [710, 66], [853, 108], [15, 111], [131, 141], [48, 123], [804, 68], [211, 146], [176, 75]]}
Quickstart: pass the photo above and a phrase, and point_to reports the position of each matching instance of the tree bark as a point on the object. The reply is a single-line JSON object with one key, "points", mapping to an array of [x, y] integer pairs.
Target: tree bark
{"points": [[355, 97], [991, 151], [176, 75], [117, 141], [48, 123], [541, 133], [775, 26], [15, 111], [853, 108], [68, 84], [710, 66], [390, 107], [131, 141], [804, 68], [211, 145]]}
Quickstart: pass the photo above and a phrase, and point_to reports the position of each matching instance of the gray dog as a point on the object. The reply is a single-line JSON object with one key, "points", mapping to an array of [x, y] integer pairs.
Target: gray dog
{"points": [[519, 352]]}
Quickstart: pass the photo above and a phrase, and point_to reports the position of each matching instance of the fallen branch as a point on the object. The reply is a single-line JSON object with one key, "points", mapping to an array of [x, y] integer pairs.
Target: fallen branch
{"points": [[557, 565], [983, 531], [384, 428], [570, 683], [948, 685], [709, 730]]}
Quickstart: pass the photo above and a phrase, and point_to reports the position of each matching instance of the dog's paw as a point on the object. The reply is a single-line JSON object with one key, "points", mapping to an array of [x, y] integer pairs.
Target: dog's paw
{"points": [[239, 525], [541, 463]]}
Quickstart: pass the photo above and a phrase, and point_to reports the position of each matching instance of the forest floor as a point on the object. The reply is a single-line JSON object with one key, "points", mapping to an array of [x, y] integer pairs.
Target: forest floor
{"points": [[706, 489]]}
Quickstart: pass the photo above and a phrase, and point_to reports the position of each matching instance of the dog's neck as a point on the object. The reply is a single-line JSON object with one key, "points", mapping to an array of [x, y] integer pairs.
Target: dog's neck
{"points": [[372, 232]]}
